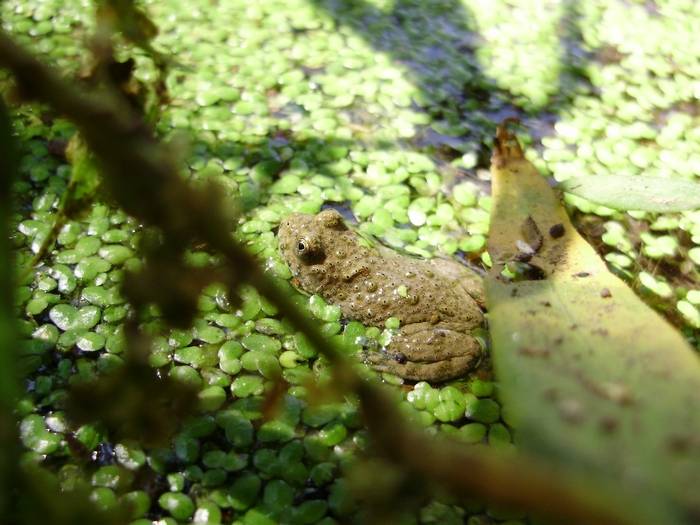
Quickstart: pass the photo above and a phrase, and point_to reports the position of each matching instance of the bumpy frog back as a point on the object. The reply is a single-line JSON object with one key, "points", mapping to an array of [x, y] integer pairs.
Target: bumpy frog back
{"points": [[372, 284]]}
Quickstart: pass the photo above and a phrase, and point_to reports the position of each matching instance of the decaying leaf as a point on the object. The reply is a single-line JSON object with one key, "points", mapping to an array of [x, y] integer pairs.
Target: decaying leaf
{"points": [[599, 383]]}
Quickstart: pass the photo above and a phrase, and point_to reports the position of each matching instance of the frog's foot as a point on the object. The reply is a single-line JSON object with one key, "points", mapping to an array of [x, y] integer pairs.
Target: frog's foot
{"points": [[427, 352], [434, 372]]}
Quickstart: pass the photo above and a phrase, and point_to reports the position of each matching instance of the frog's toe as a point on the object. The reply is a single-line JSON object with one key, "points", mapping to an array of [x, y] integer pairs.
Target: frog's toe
{"points": [[433, 372]]}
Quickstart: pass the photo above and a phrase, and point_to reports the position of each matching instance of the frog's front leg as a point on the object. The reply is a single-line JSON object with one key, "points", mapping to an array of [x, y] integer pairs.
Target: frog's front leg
{"points": [[459, 276], [424, 351]]}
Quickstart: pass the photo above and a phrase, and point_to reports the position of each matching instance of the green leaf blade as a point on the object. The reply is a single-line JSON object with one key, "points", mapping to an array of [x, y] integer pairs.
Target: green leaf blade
{"points": [[638, 193]]}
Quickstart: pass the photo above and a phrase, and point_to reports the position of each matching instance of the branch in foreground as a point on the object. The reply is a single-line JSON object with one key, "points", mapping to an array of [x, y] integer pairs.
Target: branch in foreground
{"points": [[140, 175], [9, 383]]}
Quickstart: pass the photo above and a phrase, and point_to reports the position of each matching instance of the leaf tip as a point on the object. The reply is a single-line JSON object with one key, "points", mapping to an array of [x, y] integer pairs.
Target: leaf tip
{"points": [[506, 147]]}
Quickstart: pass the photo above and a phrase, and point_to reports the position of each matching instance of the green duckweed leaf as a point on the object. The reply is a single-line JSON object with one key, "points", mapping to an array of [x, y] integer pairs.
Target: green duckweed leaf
{"points": [[332, 433], [67, 317], [211, 398], [278, 495], [207, 513], [111, 476], [104, 498], [239, 431], [36, 436], [244, 490], [275, 431], [91, 342], [451, 404], [472, 432], [178, 505], [499, 435], [245, 386], [130, 454], [139, 502], [482, 410]]}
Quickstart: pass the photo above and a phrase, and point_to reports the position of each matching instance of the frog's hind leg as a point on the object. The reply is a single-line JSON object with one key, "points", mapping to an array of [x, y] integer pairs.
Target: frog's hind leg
{"points": [[428, 343], [433, 372]]}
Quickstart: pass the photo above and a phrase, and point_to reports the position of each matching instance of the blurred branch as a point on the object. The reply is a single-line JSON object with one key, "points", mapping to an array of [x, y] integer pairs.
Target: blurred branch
{"points": [[484, 476], [141, 176], [9, 385]]}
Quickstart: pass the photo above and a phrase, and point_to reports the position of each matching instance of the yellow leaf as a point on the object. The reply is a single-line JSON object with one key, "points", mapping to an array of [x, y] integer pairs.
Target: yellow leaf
{"points": [[598, 382]]}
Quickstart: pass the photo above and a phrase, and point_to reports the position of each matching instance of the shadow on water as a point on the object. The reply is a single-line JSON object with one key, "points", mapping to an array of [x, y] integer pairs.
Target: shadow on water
{"points": [[437, 41]]}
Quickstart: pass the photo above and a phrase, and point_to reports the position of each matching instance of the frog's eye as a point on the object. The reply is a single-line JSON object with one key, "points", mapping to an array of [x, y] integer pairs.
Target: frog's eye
{"points": [[308, 250]]}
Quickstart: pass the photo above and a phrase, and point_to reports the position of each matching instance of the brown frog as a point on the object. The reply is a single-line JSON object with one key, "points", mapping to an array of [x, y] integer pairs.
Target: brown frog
{"points": [[438, 301]]}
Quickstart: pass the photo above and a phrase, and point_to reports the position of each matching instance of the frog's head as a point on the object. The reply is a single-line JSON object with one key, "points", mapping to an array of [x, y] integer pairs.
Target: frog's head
{"points": [[303, 238]]}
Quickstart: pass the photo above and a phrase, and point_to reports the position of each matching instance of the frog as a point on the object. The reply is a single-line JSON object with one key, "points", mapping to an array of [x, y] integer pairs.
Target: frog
{"points": [[439, 302]]}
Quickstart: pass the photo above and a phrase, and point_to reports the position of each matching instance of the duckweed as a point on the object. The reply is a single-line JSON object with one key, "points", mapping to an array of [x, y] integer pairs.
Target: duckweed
{"points": [[273, 121], [207, 512], [451, 404], [130, 455], [265, 364], [111, 476], [35, 436], [690, 313], [481, 388], [499, 436], [332, 433], [104, 498], [178, 505], [186, 375], [245, 386], [90, 342], [67, 317], [472, 432], [211, 398], [655, 285], [482, 410], [261, 343], [138, 501]]}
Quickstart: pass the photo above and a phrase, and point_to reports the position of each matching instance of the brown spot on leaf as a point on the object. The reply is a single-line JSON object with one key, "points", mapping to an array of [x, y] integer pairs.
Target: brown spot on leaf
{"points": [[571, 410], [557, 253], [532, 351], [532, 234], [531, 272], [557, 230], [683, 444], [608, 424], [551, 394], [617, 392]]}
